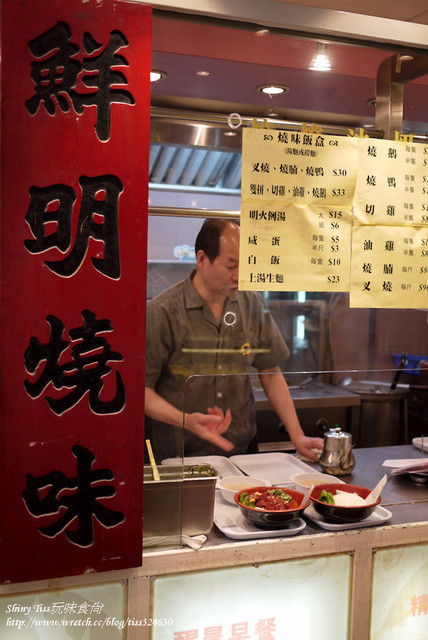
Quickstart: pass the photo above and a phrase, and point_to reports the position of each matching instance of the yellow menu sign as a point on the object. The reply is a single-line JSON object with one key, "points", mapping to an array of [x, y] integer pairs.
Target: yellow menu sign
{"points": [[295, 248], [329, 213], [300, 168], [390, 237], [392, 183], [296, 216], [389, 266]]}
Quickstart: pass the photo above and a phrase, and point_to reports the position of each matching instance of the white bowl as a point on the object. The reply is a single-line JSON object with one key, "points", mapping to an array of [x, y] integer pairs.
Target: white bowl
{"points": [[304, 480], [232, 484]]}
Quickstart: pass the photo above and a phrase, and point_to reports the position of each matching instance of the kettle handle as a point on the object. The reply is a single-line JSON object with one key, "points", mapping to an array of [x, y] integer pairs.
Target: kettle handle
{"points": [[346, 456]]}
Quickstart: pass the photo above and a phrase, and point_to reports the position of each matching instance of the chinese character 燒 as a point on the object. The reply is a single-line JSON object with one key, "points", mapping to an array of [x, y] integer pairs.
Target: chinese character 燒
{"points": [[83, 373]]}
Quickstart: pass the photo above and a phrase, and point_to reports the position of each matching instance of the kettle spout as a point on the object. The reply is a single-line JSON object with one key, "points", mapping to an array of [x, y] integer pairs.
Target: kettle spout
{"points": [[347, 460]]}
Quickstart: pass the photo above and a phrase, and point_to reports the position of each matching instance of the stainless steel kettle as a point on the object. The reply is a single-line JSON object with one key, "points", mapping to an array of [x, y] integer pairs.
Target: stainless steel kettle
{"points": [[337, 457]]}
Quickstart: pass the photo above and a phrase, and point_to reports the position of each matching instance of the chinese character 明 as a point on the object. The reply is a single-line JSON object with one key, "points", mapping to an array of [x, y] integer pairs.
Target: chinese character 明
{"points": [[56, 76], [82, 505], [100, 200], [83, 373]]}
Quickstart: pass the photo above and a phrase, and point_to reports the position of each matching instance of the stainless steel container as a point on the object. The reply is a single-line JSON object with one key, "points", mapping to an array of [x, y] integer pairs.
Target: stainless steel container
{"points": [[181, 503], [383, 413]]}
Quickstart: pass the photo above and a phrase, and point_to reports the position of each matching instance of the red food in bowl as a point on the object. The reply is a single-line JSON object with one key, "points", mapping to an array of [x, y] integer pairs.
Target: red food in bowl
{"points": [[337, 514], [270, 512]]}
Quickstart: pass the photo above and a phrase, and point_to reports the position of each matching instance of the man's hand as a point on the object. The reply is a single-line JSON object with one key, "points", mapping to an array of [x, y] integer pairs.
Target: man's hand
{"points": [[210, 426], [304, 444]]}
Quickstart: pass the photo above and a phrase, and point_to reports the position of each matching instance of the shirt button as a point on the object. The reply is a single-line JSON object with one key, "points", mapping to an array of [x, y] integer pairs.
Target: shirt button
{"points": [[219, 394]]}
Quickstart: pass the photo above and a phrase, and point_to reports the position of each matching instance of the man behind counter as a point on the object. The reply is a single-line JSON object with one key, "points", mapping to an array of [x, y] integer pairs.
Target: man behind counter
{"points": [[198, 331]]}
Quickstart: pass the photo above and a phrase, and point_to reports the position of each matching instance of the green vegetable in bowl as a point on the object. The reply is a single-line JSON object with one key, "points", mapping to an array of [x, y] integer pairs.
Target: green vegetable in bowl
{"points": [[327, 497], [270, 499]]}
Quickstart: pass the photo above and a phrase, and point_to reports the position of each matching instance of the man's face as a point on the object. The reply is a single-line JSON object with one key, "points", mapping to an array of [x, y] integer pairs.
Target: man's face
{"points": [[221, 275]]}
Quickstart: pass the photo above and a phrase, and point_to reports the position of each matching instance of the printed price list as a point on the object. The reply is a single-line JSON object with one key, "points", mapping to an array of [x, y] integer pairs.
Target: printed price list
{"points": [[295, 248], [296, 216], [389, 267]]}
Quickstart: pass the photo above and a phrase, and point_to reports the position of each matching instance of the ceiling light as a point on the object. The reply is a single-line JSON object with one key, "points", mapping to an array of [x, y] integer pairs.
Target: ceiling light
{"points": [[262, 32], [273, 89], [320, 61], [157, 75], [203, 73]]}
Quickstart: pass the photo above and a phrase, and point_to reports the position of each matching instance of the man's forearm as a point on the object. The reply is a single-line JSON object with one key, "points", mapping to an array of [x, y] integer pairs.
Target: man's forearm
{"points": [[160, 409]]}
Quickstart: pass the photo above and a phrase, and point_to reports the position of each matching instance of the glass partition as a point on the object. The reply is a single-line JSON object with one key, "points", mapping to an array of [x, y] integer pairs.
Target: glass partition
{"points": [[344, 365], [371, 407]]}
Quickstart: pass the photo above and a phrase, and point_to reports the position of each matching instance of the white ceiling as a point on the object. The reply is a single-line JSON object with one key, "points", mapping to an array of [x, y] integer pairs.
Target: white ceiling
{"points": [[407, 10]]}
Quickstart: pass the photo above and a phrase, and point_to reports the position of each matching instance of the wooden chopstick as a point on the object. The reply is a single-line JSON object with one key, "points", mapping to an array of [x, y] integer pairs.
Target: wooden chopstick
{"points": [[153, 465]]}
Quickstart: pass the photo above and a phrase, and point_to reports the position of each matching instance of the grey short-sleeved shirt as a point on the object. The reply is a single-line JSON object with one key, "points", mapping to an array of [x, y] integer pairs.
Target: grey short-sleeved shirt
{"points": [[195, 362]]}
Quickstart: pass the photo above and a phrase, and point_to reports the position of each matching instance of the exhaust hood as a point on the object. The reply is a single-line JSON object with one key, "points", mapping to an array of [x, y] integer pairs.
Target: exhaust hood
{"points": [[191, 154]]}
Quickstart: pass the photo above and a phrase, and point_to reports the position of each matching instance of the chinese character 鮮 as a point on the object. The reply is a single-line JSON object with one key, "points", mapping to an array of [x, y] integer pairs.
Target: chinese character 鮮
{"points": [[57, 71]]}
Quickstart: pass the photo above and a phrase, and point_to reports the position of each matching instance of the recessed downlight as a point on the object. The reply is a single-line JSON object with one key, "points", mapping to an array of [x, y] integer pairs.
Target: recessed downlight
{"points": [[273, 89], [156, 75]]}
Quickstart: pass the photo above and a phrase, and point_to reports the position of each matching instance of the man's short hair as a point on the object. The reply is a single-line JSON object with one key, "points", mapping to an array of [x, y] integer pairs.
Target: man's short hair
{"points": [[208, 239]]}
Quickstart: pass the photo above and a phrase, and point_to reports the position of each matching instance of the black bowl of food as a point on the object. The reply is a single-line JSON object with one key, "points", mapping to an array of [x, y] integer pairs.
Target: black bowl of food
{"points": [[270, 507], [342, 503]]}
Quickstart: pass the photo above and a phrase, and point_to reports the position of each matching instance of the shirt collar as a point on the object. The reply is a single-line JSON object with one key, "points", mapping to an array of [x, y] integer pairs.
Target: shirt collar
{"points": [[192, 298]]}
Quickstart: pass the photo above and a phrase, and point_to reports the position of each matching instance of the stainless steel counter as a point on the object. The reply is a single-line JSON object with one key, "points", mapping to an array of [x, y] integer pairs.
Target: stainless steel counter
{"points": [[406, 531], [312, 401], [404, 498], [312, 395]]}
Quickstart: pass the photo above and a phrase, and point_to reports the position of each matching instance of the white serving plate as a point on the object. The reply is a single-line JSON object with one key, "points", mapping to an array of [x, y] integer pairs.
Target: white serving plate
{"points": [[277, 467], [379, 515], [231, 522], [417, 442], [221, 464]]}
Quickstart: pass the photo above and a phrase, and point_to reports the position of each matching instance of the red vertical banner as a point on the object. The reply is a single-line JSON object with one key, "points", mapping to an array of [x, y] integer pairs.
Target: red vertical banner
{"points": [[75, 98]]}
